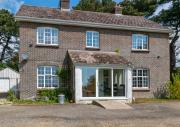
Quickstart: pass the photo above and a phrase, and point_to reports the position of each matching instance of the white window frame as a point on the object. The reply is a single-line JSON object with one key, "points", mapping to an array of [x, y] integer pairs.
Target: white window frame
{"points": [[50, 28], [92, 43], [137, 76], [143, 49], [44, 75]]}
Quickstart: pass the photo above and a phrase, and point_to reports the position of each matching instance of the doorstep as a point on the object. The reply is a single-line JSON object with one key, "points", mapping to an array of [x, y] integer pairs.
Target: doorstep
{"points": [[112, 104]]}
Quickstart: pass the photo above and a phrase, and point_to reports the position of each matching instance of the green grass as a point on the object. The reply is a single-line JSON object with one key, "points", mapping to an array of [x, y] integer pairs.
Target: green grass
{"points": [[154, 100], [31, 102]]}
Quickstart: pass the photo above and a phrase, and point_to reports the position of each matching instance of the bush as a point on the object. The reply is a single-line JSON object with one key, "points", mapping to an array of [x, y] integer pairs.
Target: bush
{"points": [[52, 94], [11, 96], [173, 87]]}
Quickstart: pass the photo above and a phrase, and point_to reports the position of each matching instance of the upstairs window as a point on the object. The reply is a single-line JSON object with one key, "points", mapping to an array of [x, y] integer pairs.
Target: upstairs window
{"points": [[47, 36], [139, 42], [92, 39], [140, 78]]}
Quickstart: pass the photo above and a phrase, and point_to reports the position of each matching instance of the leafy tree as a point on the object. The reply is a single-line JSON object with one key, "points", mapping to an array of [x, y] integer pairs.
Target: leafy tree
{"points": [[13, 62], [139, 7], [96, 5], [8, 35], [171, 18]]}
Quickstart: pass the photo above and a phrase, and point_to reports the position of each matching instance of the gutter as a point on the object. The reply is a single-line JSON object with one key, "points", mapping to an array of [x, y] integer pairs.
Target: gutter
{"points": [[89, 24]]}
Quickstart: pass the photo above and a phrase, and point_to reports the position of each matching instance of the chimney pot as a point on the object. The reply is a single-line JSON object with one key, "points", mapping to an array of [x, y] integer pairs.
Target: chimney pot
{"points": [[65, 5], [118, 10]]}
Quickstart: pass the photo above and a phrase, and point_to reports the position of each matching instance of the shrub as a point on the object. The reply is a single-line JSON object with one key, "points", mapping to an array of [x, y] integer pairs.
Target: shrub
{"points": [[173, 87], [11, 96], [52, 94]]}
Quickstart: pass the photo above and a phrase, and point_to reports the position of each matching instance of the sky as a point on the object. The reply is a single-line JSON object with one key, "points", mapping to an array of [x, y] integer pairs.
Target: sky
{"points": [[14, 5]]}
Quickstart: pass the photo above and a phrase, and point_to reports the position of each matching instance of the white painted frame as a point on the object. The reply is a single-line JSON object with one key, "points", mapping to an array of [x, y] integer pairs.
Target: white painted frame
{"points": [[92, 40], [44, 78], [148, 78], [142, 35], [78, 85], [51, 28]]}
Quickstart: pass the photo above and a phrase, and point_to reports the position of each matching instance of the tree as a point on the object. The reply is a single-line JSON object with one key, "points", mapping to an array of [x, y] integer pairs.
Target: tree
{"points": [[138, 7], [8, 35], [171, 18], [106, 6]]}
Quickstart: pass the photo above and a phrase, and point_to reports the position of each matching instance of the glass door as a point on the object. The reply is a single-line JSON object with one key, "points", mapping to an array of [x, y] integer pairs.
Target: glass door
{"points": [[119, 87], [104, 83]]}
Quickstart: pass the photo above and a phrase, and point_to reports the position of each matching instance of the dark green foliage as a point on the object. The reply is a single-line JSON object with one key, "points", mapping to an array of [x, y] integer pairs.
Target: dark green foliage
{"points": [[139, 7], [173, 87], [52, 94], [171, 18], [11, 96], [64, 74], [106, 6], [2, 66], [8, 29]]}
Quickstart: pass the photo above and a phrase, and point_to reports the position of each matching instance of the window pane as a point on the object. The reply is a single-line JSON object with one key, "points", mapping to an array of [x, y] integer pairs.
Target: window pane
{"points": [[47, 36], [41, 70], [145, 42], [139, 72], [48, 70], [134, 82], [95, 39], [54, 36], [40, 35], [47, 81], [145, 81], [54, 70], [145, 73], [139, 42], [89, 38], [134, 72], [40, 81], [89, 82], [134, 41], [55, 81], [139, 81]]}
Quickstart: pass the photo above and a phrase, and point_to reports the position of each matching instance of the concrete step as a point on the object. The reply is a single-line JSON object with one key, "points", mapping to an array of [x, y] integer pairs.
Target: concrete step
{"points": [[112, 104]]}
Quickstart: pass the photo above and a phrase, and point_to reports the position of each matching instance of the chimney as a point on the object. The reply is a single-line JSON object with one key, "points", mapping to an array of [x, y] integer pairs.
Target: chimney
{"points": [[65, 5], [118, 10]]}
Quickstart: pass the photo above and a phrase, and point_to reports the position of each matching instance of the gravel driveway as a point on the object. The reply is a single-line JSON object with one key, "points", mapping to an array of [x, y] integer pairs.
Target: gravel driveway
{"points": [[72, 115]]}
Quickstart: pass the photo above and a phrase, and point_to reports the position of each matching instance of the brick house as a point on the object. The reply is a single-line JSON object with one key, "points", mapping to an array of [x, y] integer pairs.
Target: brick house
{"points": [[111, 56]]}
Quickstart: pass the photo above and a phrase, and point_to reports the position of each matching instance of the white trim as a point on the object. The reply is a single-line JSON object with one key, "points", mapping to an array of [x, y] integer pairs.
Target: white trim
{"points": [[92, 45], [90, 24], [51, 29], [78, 84], [44, 78], [148, 79], [143, 49]]}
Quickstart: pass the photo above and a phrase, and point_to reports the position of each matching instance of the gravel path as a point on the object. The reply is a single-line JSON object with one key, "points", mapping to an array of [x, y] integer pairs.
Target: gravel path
{"points": [[72, 115]]}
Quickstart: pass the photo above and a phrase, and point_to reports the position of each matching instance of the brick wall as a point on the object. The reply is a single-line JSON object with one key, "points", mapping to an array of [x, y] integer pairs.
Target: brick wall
{"points": [[75, 38]]}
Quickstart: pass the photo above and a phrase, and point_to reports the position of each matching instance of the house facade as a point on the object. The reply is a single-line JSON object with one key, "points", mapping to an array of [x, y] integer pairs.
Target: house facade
{"points": [[111, 56]]}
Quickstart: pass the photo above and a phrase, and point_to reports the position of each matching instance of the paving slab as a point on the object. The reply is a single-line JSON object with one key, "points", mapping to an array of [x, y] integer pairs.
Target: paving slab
{"points": [[112, 104]]}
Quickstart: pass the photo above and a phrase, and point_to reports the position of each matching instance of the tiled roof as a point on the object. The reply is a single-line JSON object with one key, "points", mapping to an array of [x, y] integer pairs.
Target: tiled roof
{"points": [[96, 57], [86, 16]]}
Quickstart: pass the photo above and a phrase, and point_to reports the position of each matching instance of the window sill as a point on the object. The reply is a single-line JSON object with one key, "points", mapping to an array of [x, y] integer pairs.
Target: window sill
{"points": [[138, 50], [43, 45], [141, 89], [92, 49]]}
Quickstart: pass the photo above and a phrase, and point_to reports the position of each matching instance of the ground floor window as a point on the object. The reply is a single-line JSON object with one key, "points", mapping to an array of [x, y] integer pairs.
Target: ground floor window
{"points": [[46, 77], [141, 78]]}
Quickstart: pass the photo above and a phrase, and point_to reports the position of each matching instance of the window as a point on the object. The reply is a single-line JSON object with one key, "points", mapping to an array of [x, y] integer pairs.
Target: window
{"points": [[141, 78], [47, 36], [139, 42], [47, 77], [92, 39]]}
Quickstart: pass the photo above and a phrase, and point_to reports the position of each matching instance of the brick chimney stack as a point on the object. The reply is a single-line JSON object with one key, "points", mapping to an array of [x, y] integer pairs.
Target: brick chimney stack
{"points": [[118, 10], [65, 5]]}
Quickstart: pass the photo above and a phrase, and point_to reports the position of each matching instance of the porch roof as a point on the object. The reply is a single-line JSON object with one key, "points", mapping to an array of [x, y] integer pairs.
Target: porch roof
{"points": [[97, 57]]}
